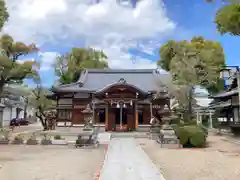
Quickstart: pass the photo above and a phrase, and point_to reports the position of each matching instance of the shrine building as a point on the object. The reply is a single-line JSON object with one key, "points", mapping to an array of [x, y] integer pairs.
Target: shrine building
{"points": [[118, 98]]}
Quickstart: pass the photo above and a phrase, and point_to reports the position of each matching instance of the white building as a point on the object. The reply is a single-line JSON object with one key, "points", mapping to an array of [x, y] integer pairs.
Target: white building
{"points": [[14, 102]]}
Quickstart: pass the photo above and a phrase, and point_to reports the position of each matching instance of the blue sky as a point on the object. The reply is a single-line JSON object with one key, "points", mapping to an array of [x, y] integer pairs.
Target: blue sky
{"points": [[130, 37]]}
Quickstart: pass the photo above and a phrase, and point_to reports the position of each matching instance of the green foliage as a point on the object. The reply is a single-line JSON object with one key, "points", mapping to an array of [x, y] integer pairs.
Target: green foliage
{"points": [[19, 137], [189, 123], [175, 121], [167, 52], [68, 67], [182, 99], [12, 70], [204, 128], [5, 133], [3, 14], [183, 135], [58, 137], [42, 103], [198, 139], [193, 134], [227, 19], [195, 62]]}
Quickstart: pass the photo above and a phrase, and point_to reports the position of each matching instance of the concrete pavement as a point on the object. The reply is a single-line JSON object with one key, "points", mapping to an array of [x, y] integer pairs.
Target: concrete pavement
{"points": [[125, 159], [27, 129]]}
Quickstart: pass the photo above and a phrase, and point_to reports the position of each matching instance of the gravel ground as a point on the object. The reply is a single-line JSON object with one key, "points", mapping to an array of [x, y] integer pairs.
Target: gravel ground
{"points": [[49, 162], [220, 161]]}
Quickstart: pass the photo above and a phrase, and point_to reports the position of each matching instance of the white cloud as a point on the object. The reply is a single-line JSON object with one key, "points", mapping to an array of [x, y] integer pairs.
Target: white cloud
{"points": [[23, 60], [47, 60], [107, 25]]}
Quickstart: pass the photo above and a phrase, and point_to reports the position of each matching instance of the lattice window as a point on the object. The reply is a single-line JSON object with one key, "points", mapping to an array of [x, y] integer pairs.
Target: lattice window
{"points": [[64, 114]]}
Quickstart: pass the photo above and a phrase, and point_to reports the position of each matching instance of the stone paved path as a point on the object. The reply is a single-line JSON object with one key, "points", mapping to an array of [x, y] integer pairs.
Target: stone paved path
{"points": [[126, 160]]}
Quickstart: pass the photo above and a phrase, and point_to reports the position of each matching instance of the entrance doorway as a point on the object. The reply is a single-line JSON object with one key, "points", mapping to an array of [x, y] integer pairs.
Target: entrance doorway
{"points": [[120, 113], [117, 116], [102, 116]]}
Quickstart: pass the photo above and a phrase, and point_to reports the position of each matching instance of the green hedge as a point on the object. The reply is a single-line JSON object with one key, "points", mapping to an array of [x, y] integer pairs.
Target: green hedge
{"points": [[191, 135]]}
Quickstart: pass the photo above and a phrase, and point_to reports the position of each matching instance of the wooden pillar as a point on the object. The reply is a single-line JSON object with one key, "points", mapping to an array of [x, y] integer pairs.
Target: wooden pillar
{"points": [[151, 111], [121, 114], [106, 117], [136, 116]]}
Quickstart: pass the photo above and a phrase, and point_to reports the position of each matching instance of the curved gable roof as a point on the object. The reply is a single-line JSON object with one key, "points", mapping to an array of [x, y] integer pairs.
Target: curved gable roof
{"points": [[93, 80]]}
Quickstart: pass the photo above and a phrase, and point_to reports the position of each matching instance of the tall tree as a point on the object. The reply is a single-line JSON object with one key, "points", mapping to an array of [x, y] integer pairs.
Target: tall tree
{"points": [[191, 63], [69, 66], [194, 62], [12, 70], [227, 19], [3, 13], [179, 95], [41, 103]]}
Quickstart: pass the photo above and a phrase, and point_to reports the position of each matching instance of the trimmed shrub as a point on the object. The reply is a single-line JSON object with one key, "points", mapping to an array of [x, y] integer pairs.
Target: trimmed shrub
{"points": [[57, 137], [198, 139], [204, 128], [174, 121], [192, 135]]}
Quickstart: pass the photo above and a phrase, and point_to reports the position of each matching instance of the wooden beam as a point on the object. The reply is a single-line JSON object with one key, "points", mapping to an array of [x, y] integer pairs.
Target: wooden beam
{"points": [[136, 116]]}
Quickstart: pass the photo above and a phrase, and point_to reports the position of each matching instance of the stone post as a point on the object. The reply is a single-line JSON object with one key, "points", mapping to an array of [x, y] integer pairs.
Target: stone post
{"points": [[197, 117], [200, 119], [2, 106], [210, 119]]}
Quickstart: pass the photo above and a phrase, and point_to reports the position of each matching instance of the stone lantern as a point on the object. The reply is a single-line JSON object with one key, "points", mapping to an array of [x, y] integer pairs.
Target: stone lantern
{"points": [[2, 106], [88, 117], [165, 113]]}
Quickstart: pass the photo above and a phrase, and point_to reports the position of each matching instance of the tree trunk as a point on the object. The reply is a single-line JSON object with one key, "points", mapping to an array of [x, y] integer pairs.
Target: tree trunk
{"points": [[190, 102], [43, 121], [188, 113], [1, 89], [25, 108]]}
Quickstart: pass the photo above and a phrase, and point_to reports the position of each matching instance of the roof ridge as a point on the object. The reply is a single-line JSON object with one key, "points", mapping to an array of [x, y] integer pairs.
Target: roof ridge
{"points": [[66, 85], [83, 76], [120, 70]]}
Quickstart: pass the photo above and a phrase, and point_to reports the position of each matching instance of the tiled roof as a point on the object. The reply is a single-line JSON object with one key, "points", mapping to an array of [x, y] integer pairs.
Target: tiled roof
{"points": [[226, 93], [92, 80]]}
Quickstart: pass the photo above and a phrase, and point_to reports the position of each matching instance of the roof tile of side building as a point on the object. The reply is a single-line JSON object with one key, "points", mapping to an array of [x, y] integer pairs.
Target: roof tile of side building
{"points": [[226, 93], [95, 79]]}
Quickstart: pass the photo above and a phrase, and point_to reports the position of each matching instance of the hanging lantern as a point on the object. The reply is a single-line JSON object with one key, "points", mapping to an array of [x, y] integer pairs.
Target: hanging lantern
{"points": [[118, 106]]}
